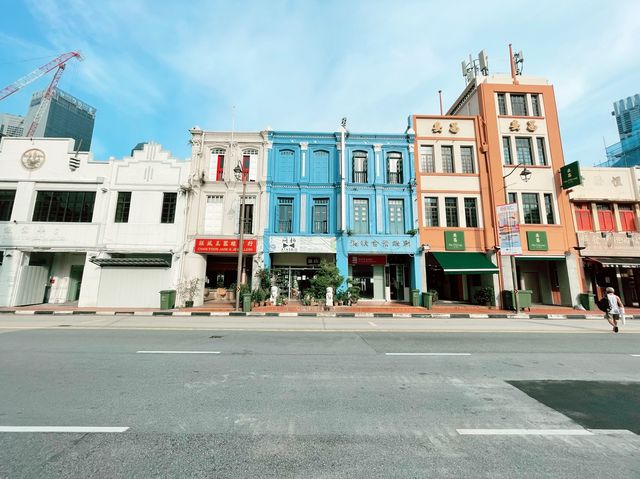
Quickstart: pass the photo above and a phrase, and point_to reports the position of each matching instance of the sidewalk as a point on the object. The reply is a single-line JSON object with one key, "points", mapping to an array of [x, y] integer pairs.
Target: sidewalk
{"points": [[395, 310]]}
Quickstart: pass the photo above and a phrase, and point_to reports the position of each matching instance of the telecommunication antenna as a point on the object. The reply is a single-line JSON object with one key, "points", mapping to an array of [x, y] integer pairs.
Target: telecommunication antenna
{"points": [[475, 67], [518, 59]]}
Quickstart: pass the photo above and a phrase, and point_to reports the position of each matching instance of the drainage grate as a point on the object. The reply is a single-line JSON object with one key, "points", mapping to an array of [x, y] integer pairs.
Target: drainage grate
{"points": [[216, 337]]}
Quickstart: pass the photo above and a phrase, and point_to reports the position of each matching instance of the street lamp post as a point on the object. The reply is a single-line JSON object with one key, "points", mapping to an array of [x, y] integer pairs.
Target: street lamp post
{"points": [[239, 173], [525, 175]]}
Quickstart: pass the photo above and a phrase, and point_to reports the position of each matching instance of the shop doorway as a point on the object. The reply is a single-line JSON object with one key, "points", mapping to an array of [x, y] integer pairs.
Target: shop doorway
{"points": [[396, 281], [75, 282], [531, 281], [363, 277], [292, 282]]}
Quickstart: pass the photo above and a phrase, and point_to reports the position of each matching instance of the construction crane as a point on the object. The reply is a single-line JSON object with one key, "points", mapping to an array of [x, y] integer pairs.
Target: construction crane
{"points": [[58, 62]]}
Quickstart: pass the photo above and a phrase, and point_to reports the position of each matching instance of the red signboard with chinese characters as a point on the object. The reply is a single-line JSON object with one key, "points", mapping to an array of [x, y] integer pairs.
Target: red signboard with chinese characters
{"points": [[368, 260], [220, 245]]}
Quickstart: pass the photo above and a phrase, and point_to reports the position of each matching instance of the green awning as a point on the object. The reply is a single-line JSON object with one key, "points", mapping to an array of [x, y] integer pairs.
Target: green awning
{"points": [[465, 263]]}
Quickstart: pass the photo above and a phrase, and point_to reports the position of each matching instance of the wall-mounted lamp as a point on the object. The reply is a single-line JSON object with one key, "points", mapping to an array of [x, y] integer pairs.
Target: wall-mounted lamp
{"points": [[104, 190], [425, 247], [603, 234], [579, 248], [496, 248], [629, 234]]}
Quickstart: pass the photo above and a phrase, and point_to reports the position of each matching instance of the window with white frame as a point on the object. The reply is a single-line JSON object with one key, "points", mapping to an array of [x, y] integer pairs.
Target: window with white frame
{"points": [[523, 151], [466, 157], [542, 152], [471, 212], [535, 105], [451, 211], [213, 214], [548, 206], [427, 160], [502, 104], [431, 214], [447, 159], [518, 104], [506, 150], [250, 164], [531, 208], [320, 215], [217, 164], [285, 215], [361, 216]]}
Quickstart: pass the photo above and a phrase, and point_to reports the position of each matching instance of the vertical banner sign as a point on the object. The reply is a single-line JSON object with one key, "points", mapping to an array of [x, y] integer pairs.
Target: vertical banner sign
{"points": [[509, 229]]}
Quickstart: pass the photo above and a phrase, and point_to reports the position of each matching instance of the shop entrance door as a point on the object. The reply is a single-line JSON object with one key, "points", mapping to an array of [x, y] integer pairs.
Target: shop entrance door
{"points": [[363, 277], [75, 282], [396, 283], [532, 282]]}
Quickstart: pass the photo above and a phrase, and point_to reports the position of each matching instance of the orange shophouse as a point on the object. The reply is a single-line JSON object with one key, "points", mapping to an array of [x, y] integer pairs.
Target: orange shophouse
{"points": [[499, 143]]}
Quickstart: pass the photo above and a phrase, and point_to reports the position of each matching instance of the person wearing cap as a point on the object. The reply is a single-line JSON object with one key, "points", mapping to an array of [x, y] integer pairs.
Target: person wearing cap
{"points": [[616, 308]]}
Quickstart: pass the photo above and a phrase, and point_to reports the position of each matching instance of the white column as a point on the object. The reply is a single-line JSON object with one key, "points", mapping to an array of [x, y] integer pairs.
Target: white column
{"points": [[303, 150]]}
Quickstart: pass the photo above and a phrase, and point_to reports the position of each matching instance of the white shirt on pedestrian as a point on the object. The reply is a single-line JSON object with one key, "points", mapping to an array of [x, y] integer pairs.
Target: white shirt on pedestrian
{"points": [[613, 302]]}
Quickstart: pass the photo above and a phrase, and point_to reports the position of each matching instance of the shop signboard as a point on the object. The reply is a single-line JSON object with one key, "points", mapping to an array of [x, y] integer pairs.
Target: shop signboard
{"points": [[368, 260], [509, 229], [454, 240], [223, 245], [301, 244], [570, 175], [387, 244], [537, 241]]}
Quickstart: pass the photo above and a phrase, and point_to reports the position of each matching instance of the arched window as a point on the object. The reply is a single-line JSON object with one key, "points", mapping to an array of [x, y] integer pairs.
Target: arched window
{"points": [[216, 171], [250, 163], [285, 165], [360, 167], [394, 167], [320, 166]]}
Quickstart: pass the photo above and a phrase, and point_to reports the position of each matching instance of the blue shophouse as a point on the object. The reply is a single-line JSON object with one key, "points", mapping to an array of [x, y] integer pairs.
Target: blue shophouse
{"points": [[347, 198]]}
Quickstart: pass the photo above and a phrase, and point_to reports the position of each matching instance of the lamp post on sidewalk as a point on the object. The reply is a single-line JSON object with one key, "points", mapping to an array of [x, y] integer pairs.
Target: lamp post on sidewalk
{"points": [[525, 175], [240, 174]]}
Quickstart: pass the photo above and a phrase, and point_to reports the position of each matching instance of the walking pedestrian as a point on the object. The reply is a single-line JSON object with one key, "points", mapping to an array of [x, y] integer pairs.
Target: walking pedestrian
{"points": [[616, 308]]}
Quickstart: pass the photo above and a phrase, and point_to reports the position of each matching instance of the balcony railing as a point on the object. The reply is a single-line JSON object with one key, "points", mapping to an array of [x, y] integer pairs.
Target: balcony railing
{"points": [[359, 176], [320, 227], [394, 178], [285, 226]]}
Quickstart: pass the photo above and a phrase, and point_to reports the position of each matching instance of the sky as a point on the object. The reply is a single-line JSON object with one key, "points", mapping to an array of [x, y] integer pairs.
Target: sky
{"points": [[155, 68]]}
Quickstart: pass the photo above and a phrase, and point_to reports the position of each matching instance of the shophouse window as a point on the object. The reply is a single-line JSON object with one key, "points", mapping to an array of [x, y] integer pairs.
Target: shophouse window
{"points": [[285, 215], [542, 152], [169, 201], [605, 217], [248, 219], [394, 168], [122, 207], [7, 197], [535, 105], [431, 213], [284, 171], [360, 167], [447, 159], [361, 216], [396, 217], [627, 217], [320, 167], [64, 206], [213, 214], [531, 208], [512, 198], [506, 150], [584, 220], [427, 160], [466, 156], [523, 151], [502, 104], [548, 206], [471, 212], [250, 164], [518, 105], [217, 164], [321, 215], [451, 211]]}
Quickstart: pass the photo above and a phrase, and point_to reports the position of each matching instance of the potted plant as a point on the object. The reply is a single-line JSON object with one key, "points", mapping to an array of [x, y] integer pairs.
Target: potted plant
{"points": [[231, 292], [342, 297], [187, 289], [484, 296], [412, 232]]}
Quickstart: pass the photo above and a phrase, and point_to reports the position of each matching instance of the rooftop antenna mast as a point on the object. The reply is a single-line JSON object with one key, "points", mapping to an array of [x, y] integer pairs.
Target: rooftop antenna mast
{"points": [[475, 67]]}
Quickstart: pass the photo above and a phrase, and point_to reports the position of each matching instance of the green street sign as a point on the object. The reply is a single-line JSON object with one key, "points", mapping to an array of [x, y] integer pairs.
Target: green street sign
{"points": [[537, 241], [454, 240], [570, 175]]}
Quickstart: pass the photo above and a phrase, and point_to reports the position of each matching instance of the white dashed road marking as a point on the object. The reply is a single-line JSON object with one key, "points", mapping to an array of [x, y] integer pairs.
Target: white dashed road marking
{"points": [[428, 354], [61, 429], [177, 352], [524, 432]]}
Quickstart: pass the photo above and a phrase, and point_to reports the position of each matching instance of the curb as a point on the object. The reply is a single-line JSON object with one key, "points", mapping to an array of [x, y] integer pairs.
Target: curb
{"points": [[322, 314]]}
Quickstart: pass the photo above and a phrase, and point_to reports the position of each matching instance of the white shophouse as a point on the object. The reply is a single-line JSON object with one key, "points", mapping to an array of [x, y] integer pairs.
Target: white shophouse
{"points": [[92, 233], [213, 223]]}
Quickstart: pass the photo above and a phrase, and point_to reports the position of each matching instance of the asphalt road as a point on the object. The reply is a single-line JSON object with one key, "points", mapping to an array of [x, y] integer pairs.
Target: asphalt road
{"points": [[201, 403]]}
